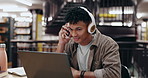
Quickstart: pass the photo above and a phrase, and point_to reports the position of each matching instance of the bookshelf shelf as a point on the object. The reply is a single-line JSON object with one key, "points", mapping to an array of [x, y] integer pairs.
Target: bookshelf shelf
{"points": [[23, 31]]}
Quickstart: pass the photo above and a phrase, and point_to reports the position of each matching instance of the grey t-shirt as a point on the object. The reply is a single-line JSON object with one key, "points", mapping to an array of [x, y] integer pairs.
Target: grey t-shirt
{"points": [[82, 56]]}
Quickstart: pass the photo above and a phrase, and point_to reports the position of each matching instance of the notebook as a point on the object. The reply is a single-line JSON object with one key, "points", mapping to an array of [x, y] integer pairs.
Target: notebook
{"points": [[19, 71], [45, 64]]}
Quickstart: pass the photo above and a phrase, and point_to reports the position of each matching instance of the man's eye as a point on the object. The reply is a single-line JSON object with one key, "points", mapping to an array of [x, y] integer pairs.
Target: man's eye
{"points": [[79, 29]]}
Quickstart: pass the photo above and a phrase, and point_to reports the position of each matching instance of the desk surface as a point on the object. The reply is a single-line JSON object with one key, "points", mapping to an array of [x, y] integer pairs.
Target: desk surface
{"points": [[15, 76], [19, 71]]}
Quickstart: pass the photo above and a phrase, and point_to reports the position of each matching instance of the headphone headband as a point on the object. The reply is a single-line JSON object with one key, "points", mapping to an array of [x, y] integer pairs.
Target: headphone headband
{"points": [[93, 24], [90, 14]]}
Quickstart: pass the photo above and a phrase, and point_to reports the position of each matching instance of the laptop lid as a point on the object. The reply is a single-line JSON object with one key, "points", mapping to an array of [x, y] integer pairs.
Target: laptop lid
{"points": [[45, 64]]}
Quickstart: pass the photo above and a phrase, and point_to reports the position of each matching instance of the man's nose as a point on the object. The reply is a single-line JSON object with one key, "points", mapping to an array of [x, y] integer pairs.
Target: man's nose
{"points": [[73, 33]]}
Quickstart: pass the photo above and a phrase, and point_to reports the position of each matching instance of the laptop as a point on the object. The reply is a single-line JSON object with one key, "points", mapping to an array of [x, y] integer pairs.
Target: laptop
{"points": [[45, 64]]}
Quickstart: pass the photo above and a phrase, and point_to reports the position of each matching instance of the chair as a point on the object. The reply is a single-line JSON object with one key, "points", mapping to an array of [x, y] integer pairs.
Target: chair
{"points": [[125, 72]]}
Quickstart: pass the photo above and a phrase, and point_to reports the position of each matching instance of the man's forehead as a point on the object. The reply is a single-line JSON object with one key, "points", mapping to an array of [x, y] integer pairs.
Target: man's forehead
{"points": [[73, 26]]}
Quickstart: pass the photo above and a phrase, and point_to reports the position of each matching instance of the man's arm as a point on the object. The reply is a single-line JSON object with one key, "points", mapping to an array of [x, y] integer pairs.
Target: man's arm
{"points": [[89, 75], [60, 48], [77, 74], [62, 39], [111, 65]]}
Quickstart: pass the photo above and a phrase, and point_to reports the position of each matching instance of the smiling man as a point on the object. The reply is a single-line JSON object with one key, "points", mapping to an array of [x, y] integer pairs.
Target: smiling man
{"points": [[91, 54]]}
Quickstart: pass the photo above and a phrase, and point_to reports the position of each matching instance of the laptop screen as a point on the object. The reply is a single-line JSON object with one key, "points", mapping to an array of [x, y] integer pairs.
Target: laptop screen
{"points": [[45, 64]]}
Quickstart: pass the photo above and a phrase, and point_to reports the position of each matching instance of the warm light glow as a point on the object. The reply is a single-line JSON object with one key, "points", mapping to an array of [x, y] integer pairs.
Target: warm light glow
{"points": [[108, 15], [26, 2]]}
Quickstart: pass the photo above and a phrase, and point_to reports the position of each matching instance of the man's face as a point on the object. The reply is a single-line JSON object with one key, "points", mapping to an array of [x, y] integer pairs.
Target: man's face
{"points": [[79, 33]]}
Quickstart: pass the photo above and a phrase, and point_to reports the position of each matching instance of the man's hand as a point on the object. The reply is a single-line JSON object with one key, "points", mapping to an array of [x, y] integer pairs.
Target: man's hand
{"points": [[75, 73], [64, 37], [64, 34]]}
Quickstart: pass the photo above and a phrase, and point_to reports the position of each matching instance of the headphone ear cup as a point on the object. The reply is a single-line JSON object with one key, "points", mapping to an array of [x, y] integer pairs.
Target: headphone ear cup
{"points": [[92, 25], [91, 28]]}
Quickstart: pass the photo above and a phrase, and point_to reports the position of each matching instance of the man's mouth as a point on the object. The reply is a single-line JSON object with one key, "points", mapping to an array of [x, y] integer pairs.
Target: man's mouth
{"points": [[75, 38]]}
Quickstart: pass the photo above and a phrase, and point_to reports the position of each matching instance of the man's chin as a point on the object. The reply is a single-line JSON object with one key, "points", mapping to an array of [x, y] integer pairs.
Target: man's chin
{"points": [[76, 41]]}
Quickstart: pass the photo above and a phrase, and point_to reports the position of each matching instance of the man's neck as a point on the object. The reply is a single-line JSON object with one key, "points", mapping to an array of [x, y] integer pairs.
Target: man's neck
{"points": [[87, 41]]}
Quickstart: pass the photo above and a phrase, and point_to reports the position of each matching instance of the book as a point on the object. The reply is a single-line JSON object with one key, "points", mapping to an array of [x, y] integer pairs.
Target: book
{"points": [[3, 74], [19, 71]]}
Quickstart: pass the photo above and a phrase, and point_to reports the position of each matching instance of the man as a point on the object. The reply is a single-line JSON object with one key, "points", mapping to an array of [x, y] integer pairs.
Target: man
{"points": [[91, 54]]}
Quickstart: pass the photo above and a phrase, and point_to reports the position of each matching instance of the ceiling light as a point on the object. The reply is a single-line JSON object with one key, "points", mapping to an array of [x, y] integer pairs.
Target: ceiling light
{"points": [[129, 24], [26, 14], [100, 23], [143, 24], [26, 2], [116, 23], [50, 18], [13, 15], [15, 9], [118, 10], [22, 19], [5, 6], [4, 14], [139, 15]]}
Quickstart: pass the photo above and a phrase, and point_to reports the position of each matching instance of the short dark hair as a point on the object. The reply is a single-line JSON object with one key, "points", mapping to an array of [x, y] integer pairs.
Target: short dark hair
{"points": [[77, 14]]}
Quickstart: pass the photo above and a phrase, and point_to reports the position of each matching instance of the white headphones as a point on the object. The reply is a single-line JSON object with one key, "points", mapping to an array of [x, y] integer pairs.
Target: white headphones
{"points": [[92, 25]]}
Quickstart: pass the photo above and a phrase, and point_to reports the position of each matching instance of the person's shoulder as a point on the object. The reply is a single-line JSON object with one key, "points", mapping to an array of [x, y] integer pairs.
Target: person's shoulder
{"points": [[105, 39], [102, 37], [110, 39], [98, 35]]}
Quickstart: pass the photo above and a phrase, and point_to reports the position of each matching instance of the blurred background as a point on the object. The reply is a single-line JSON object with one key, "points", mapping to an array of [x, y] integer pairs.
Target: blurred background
{"points": [[34, 25]]}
